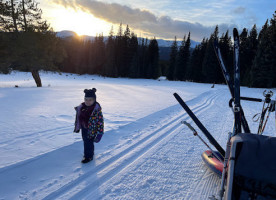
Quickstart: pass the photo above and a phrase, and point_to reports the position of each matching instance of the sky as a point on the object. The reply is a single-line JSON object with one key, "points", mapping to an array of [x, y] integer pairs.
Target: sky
{"points": [[161, 19]]}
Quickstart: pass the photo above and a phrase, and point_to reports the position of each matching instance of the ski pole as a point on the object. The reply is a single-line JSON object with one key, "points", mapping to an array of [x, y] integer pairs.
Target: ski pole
{"points": [[196, 134], [271, 109], [262, 119], [267, 96], [265, 123]]}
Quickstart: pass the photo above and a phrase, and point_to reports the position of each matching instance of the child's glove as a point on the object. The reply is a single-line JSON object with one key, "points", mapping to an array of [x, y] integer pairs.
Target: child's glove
{"points": [[98, 138]]}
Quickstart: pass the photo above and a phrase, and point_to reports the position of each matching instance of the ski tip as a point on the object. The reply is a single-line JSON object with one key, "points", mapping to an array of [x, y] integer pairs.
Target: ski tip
{"points": [[177, 97], [235, 33]]}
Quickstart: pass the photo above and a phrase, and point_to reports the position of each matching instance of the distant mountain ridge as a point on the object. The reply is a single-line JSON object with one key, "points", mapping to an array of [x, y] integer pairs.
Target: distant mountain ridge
{"points": [[161, 42]]}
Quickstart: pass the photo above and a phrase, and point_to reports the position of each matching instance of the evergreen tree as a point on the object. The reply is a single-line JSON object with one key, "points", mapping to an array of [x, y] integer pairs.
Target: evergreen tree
{"points": [[243, 55], [210, 67], [91, 59], [154, 70], [193, 66], [180, 66], [252, 45], [263, 31], [196, 61], [110, 68], [172, 64], [100, 54], [183, 59], [144, 58], [134, 69], [126, 54], [187, 55], [119, 50], [84, 62]]}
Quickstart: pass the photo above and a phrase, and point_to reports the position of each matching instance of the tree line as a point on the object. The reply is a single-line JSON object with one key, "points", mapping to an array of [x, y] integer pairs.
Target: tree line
{"points": [[121, 55], [257, 57], [28, 43]]}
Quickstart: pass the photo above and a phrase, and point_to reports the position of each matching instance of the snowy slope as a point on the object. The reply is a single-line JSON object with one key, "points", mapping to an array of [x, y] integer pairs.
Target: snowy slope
{"points": [[145, 153]]}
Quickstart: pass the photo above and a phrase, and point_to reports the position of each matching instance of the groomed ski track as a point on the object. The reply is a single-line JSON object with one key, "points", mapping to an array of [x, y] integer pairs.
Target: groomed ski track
{"points": [[160, 157]]}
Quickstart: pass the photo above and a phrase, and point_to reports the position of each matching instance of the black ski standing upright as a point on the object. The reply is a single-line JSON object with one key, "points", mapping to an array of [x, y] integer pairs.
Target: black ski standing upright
{"points": [[230, 85], [237, 105]]}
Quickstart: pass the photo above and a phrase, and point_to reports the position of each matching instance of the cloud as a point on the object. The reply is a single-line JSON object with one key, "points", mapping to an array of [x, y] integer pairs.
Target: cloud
{"points": [[239, 10], [144, 20]]}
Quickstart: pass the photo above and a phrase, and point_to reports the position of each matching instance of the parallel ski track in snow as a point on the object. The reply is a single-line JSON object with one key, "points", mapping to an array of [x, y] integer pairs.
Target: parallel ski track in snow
{"points": [[84, 185], [207, 179], [47, 133]]}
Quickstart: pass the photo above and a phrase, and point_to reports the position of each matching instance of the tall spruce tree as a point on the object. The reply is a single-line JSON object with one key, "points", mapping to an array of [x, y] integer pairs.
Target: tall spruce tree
{"points": [[134, 69], [196, 61], [243, 55], [154, 70], [252, 45], [193, 66], [100, 54], [91, 52], [126, 53], [180, 65], [119, 50], [110, 68], [187, 54], [172, 63], [210, 67], [144, 58], [183, 59]]}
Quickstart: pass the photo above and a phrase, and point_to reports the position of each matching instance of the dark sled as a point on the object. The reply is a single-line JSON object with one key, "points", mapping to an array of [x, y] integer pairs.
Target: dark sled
{"points": [[251, 169]]}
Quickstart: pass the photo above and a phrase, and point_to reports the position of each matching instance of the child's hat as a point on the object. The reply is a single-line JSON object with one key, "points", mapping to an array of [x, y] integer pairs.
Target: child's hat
{"points": [[90, 92]]}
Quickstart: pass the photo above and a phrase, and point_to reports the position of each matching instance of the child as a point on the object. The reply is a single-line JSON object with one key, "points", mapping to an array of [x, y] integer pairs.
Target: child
{"points": [[89, 119]]}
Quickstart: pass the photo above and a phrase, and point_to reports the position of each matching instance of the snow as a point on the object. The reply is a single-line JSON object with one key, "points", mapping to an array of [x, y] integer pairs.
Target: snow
{"points": [[145, 153]]}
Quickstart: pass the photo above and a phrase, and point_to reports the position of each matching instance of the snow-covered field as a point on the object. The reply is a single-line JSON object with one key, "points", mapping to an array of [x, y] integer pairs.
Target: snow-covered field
{"points": [[145, 153]]}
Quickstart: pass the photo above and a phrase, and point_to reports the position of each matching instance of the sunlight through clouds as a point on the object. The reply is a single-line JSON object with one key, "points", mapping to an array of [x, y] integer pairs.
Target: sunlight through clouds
{"points": [[80, 22], [163, 19]]}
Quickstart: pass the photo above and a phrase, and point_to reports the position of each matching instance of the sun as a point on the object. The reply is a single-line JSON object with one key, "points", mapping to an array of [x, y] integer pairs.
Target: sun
{"points": [[78, 21]]}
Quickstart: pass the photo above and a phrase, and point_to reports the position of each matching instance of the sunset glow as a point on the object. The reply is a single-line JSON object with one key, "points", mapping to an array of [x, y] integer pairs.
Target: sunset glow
{"points": [[160, 19], [78, 21]]}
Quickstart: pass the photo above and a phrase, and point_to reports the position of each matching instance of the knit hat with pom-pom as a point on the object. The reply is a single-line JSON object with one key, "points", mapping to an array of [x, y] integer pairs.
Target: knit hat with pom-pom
{"points": [[90, 92]]}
